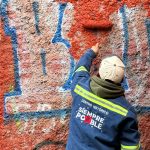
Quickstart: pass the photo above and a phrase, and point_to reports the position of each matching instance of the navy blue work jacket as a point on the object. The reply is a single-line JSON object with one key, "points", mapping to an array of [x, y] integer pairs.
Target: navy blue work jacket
{"points": [[97, 123]]}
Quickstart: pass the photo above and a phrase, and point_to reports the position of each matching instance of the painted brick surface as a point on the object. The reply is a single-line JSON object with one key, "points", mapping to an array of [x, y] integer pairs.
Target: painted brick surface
{"points": [[40, 43]]}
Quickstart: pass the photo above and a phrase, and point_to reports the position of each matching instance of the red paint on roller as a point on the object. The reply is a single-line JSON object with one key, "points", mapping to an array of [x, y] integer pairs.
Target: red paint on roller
{"points": [[92, 24], [82, 39]]}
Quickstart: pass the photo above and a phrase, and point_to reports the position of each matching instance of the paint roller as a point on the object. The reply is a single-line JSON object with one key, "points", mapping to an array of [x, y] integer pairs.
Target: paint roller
{"points": [[98, 25]]}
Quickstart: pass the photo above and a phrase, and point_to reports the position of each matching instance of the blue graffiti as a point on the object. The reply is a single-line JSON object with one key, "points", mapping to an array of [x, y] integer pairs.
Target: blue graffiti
{"points": [[126, 44], [43, 114], [142, 109], [11, 31], [58, 38], [43, 58], [147, 23], [35, 7]]}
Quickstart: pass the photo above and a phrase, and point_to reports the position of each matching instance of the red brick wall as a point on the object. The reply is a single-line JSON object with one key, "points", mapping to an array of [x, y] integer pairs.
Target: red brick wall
{"points": [[40, 42]]}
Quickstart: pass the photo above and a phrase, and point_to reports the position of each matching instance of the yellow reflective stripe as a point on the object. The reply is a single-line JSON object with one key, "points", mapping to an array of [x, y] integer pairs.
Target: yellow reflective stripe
{"points": [[82, 68], [125, 147], [100, 101]]}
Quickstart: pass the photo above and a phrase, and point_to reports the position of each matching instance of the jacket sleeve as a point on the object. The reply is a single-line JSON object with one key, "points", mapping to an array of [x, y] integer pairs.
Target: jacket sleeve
{"points": [[129, 134], [83, 67]]}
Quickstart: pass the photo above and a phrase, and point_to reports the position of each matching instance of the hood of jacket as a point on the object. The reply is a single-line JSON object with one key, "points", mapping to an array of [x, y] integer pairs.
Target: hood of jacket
{"points": [[105, 89]]}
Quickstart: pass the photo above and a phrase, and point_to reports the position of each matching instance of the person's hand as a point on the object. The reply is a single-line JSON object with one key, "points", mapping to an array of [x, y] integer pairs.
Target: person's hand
{"points": [[95, 48]]}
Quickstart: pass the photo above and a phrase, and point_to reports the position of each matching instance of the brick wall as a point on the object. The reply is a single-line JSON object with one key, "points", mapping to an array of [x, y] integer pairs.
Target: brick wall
{"points": [[40, 43]]}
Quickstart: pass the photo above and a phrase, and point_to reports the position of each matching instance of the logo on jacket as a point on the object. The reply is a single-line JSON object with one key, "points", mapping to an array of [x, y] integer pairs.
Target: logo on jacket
{"points": [[90, 118]]}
